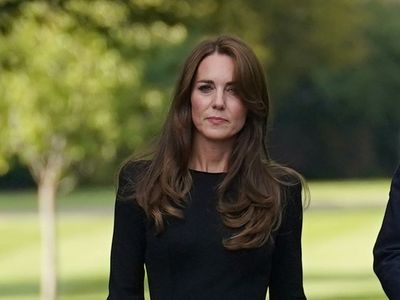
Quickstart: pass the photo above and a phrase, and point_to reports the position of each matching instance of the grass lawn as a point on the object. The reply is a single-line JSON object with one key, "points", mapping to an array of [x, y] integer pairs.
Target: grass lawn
{"points": [[340, 228]]}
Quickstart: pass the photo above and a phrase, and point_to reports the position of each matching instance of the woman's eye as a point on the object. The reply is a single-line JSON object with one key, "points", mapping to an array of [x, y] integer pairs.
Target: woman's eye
{"points": [[205, 88], [231, 89]]}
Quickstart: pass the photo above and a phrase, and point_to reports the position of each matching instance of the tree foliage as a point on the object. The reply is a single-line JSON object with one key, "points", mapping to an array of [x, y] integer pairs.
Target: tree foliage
{"points": [[343, 120], [97, 75]]}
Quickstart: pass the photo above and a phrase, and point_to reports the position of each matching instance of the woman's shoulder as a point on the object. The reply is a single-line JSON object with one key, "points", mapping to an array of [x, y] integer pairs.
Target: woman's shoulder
{"points": [[295, 199], [129, 174], [292, 201], [133, 168], [292, 186], [288, 179]]}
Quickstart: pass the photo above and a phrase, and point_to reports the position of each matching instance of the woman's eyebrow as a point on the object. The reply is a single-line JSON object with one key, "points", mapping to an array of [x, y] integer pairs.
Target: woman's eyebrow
{"points": [[211, 82], [205, 81]]}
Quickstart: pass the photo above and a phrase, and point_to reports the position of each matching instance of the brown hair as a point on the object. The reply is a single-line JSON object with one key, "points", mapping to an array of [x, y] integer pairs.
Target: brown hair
{"points": [[257, 208]]}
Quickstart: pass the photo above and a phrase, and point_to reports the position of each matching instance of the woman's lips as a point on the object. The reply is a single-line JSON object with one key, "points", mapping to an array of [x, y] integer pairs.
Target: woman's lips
{"points": [[216, 120]]}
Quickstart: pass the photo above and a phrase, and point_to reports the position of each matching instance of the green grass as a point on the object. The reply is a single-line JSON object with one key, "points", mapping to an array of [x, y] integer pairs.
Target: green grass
{"points": [[92, 199], [349, 193], [337, 254], [337, 243]]}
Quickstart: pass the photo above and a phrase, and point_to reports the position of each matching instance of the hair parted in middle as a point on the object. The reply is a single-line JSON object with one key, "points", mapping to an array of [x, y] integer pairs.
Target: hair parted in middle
{"points": [[256, 209]]}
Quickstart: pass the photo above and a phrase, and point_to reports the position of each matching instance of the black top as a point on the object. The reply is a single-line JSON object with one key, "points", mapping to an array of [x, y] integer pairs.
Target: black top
{"points": [[387, 246], [188, 260]]}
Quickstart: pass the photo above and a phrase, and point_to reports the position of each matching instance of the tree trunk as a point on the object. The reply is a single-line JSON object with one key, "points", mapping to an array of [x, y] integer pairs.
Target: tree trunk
{"points": [[47, 187]]}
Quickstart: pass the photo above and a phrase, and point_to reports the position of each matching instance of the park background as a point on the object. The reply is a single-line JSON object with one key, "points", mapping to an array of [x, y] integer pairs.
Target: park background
{"points": [[84, 84]]}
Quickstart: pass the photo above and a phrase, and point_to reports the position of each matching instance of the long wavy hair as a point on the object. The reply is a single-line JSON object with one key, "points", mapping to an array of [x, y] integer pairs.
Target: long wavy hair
{"points": [[256, 209]]}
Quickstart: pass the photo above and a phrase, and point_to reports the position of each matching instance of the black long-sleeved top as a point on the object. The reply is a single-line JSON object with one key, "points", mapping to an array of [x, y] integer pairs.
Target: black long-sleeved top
{"points": [[387, 246], [188, 260]]}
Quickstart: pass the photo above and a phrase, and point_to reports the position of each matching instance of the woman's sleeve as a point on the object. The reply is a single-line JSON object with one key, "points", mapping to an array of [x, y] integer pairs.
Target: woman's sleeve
{"points": [[286, 281], [387, 246], [128, 243]]}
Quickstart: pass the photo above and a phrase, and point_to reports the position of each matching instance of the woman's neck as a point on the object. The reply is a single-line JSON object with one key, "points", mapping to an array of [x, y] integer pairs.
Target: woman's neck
{"points": [[210, 156]]}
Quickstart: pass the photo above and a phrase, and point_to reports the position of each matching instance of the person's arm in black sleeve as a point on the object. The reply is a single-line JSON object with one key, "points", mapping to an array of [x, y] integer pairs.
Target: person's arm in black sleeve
{"points": [[286, 281], [128, 243], [387, 246]]}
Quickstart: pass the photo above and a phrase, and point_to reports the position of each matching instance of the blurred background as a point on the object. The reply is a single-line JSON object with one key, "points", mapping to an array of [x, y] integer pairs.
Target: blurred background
{"points": [[84, 84]]}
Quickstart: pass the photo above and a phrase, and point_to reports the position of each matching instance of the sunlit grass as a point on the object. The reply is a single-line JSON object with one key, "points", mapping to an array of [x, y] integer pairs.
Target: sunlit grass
{"points": [[349, 193], [337, 254], [92, 199]]}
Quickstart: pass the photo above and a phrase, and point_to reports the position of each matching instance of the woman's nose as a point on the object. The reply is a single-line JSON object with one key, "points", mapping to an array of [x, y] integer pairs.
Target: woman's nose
{"points": [[219, 100]]}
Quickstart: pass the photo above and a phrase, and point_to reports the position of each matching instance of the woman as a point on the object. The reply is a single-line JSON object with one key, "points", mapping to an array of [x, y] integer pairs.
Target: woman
{"points": [[210, 216]]}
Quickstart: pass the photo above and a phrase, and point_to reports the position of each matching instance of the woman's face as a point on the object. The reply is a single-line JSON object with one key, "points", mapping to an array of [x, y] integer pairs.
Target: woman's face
{"points": [[218, 113]]}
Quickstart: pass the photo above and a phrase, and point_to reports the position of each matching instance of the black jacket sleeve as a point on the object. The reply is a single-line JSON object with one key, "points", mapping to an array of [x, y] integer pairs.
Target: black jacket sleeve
{"points": [[286, 280], [128, 243], [387, 246]]}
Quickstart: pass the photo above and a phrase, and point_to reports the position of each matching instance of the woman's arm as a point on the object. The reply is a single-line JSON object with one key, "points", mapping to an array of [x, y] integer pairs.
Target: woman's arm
{"points": [[286, 281], [128, 243]]}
